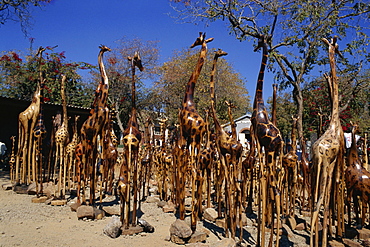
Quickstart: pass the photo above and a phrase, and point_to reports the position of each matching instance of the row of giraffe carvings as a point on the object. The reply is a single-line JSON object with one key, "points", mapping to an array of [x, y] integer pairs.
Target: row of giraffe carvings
{"points": [[201, 160]]}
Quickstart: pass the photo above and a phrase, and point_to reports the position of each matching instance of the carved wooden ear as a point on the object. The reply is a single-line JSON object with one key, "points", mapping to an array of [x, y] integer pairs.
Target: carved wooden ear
{"points": [[129, 58]]}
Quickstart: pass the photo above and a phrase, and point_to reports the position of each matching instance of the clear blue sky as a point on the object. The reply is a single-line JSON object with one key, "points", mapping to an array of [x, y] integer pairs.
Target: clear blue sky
{"points": [[79, 27]]}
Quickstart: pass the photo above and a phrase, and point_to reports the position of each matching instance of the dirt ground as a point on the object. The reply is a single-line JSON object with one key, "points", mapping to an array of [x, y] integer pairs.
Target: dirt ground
{"points": [[23, 223]]}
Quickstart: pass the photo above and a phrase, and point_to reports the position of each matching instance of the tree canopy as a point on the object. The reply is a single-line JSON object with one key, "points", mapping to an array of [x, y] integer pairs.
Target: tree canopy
{"points": [[296, 29], [19, 11], [19, 77], [229, 86]]}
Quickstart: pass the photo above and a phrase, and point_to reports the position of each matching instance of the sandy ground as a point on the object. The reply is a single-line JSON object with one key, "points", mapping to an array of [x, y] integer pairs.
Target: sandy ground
{"points": [[23, 223]]}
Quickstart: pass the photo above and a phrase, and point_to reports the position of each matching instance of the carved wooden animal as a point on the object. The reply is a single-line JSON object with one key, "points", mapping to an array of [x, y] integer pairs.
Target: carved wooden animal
{"points": [[90, 130], [327, 162], [192, 124], [267, 135], [131, 141], [61, 139], [71, 154], [357, 182]]}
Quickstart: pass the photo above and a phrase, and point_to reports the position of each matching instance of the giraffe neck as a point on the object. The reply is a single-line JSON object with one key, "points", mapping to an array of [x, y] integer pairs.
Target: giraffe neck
{"points": [[232, 123], [353, 150], [333, 90], [101, 93], [212, 82], [258, 98], [189, 93], [64, 102], [273, 118], [133, 87]]}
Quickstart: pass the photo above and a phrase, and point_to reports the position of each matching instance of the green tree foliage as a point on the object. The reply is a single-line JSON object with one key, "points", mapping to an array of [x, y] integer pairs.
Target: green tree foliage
{"points": [[354, 96], [18, 10], [120, 76], [296, 29], [175, 74], [19, 77]]}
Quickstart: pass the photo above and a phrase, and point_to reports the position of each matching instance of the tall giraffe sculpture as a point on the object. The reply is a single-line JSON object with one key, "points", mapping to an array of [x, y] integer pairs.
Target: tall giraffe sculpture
{"points": [[267, 135], [328, 162], [86, 150], [230, 151], [26, 123], [357, 181], [71, 152], [192, 124], [131, 141], [61, 138], [39, 133]]}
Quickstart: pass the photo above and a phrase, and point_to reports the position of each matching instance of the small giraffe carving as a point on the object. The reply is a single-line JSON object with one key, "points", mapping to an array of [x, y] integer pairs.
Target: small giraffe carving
{"points": [[290, 164], [71, 152], [328, 161], [357, 181], [61, 138]]}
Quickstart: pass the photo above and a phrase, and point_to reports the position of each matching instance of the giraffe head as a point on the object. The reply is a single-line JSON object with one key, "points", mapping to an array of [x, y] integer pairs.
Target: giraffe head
{"points": [[104, 48], [220, 53], [201, 40], [136, 61]]}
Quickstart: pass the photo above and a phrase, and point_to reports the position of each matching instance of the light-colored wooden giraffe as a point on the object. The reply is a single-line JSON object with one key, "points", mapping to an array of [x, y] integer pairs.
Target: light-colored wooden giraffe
{"points": [[328, 162], [192, 124], [230, 151], [61, 139], [357, 182], [305, 170], [71, 153], [290, 164], [267, 136], [131, 141], [26, 123], [366, 159], [39, 133], [12, 160], [90, 130]]}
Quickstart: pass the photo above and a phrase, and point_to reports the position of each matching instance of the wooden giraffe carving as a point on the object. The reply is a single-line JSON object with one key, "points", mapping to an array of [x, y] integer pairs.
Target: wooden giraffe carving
{"points": [[357, 182], [230, 106], [191, 123], [267, 135], [290, 164], [230, 151], [26, 123], [131, 141], [71, 152], [91, 128], [273, 114], [61, 139], [109, 156], [12, 160], [305, 170], [328, 162], [206, 160], [39, 133]]}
